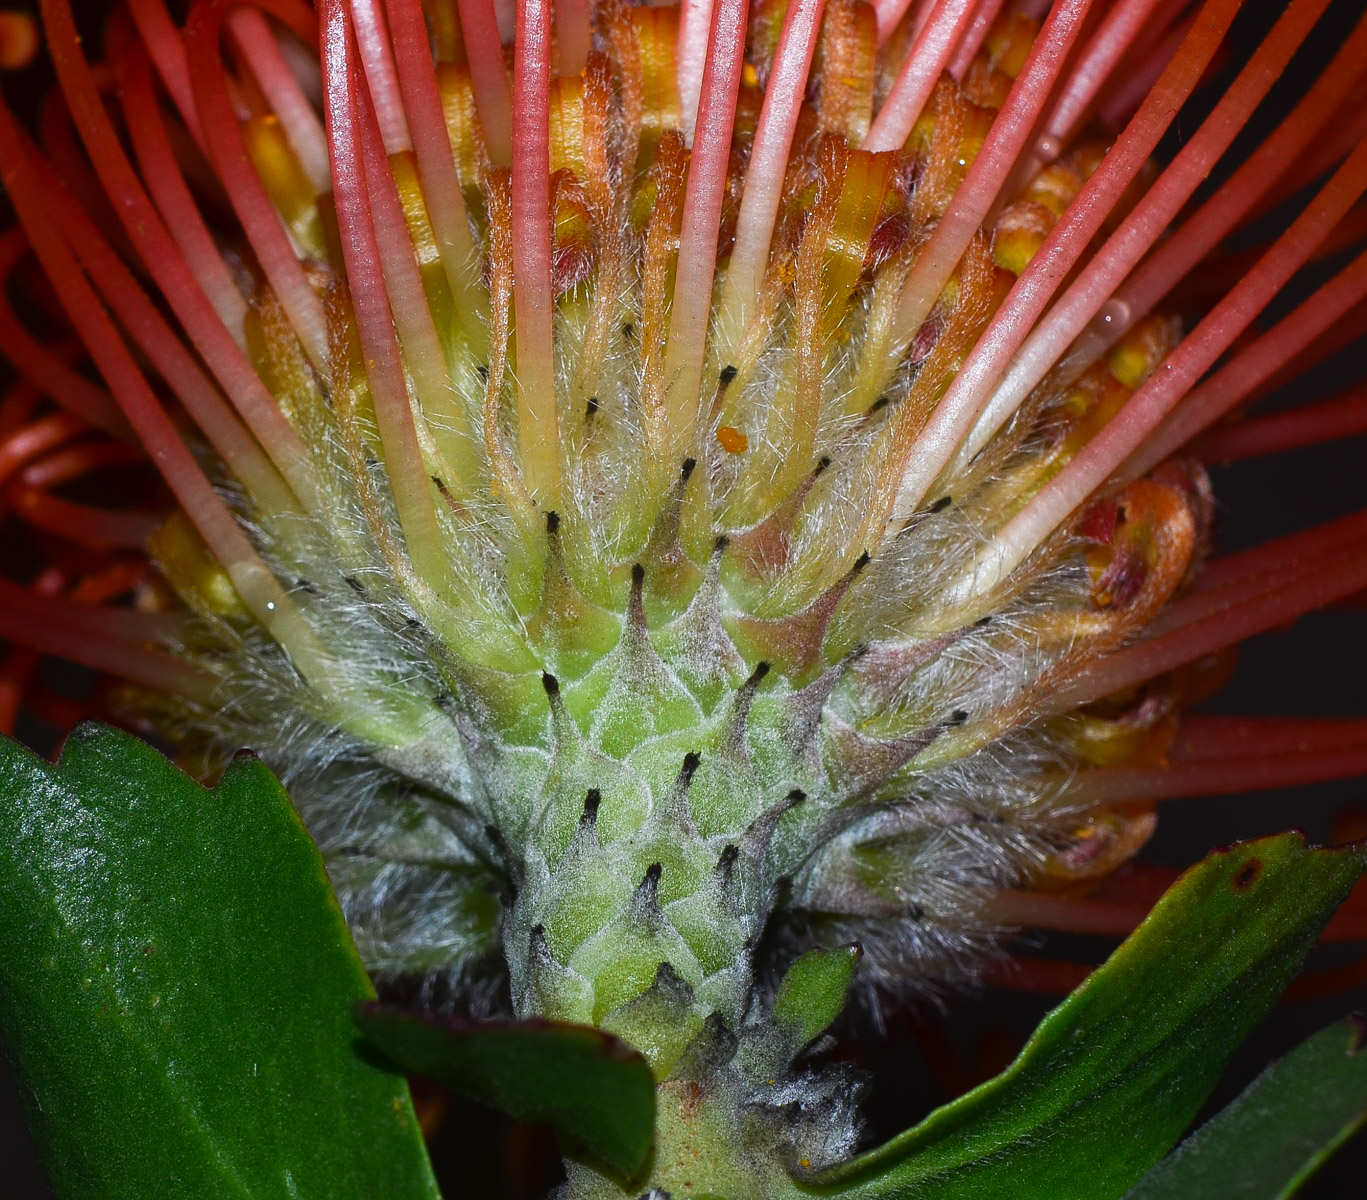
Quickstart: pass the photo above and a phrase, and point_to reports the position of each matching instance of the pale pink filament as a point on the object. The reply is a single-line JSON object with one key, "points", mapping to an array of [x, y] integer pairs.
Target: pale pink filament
{"points": [[1011, 129], [263, 225], [488, 78], [1201, 232], [533, 299], [768, 160], [1161, 203], [983, 18], [1149, 406], [919, 74], [695, 28], [1066, 244], [381, 76], [702, 220]]}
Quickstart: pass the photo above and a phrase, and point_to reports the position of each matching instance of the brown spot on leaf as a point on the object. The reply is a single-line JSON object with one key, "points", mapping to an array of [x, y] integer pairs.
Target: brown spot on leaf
{"points": [[1248, 874]]}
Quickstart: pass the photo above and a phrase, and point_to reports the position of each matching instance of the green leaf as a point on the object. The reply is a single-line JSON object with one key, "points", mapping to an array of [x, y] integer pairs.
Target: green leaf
{"points": [[813, 991], [177, 984], [588, 1085], [1284, 1125], [1113, 1076]]}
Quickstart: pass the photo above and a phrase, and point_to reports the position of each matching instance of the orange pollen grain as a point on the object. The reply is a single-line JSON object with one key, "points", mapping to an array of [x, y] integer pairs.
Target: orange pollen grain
{"points": [[732, 440]]}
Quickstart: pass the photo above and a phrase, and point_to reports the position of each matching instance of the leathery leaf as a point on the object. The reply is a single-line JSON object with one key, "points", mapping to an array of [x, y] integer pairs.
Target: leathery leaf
{"points": [[177, 986], [1281, 1128], [1112, 1077], [592, 1088]]}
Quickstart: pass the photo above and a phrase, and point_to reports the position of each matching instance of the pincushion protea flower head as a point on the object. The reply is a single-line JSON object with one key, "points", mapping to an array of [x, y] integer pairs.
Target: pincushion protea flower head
{"points": [[648, 477]]}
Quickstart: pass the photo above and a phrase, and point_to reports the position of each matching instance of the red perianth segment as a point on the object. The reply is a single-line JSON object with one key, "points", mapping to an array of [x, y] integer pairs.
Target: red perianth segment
{"points": [[1340, 416], [37, 437], [263, 225], [396, 276], [1203, 736], [1138, 71], [164, 262], [75, 632], [1221, 776], [1261, 566], [1151, 217]]}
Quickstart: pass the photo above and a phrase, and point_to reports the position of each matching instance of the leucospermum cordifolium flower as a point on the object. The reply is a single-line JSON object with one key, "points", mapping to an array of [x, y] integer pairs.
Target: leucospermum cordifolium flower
{"points": [[649, 478]]}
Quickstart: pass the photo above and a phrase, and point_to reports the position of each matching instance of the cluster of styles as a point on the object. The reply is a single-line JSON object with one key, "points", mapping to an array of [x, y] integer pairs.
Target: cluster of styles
{"points": [[652, 479]]}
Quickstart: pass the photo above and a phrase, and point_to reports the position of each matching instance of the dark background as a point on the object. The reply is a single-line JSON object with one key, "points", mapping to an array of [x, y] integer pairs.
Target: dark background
{"points": [[1316, 668]]}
